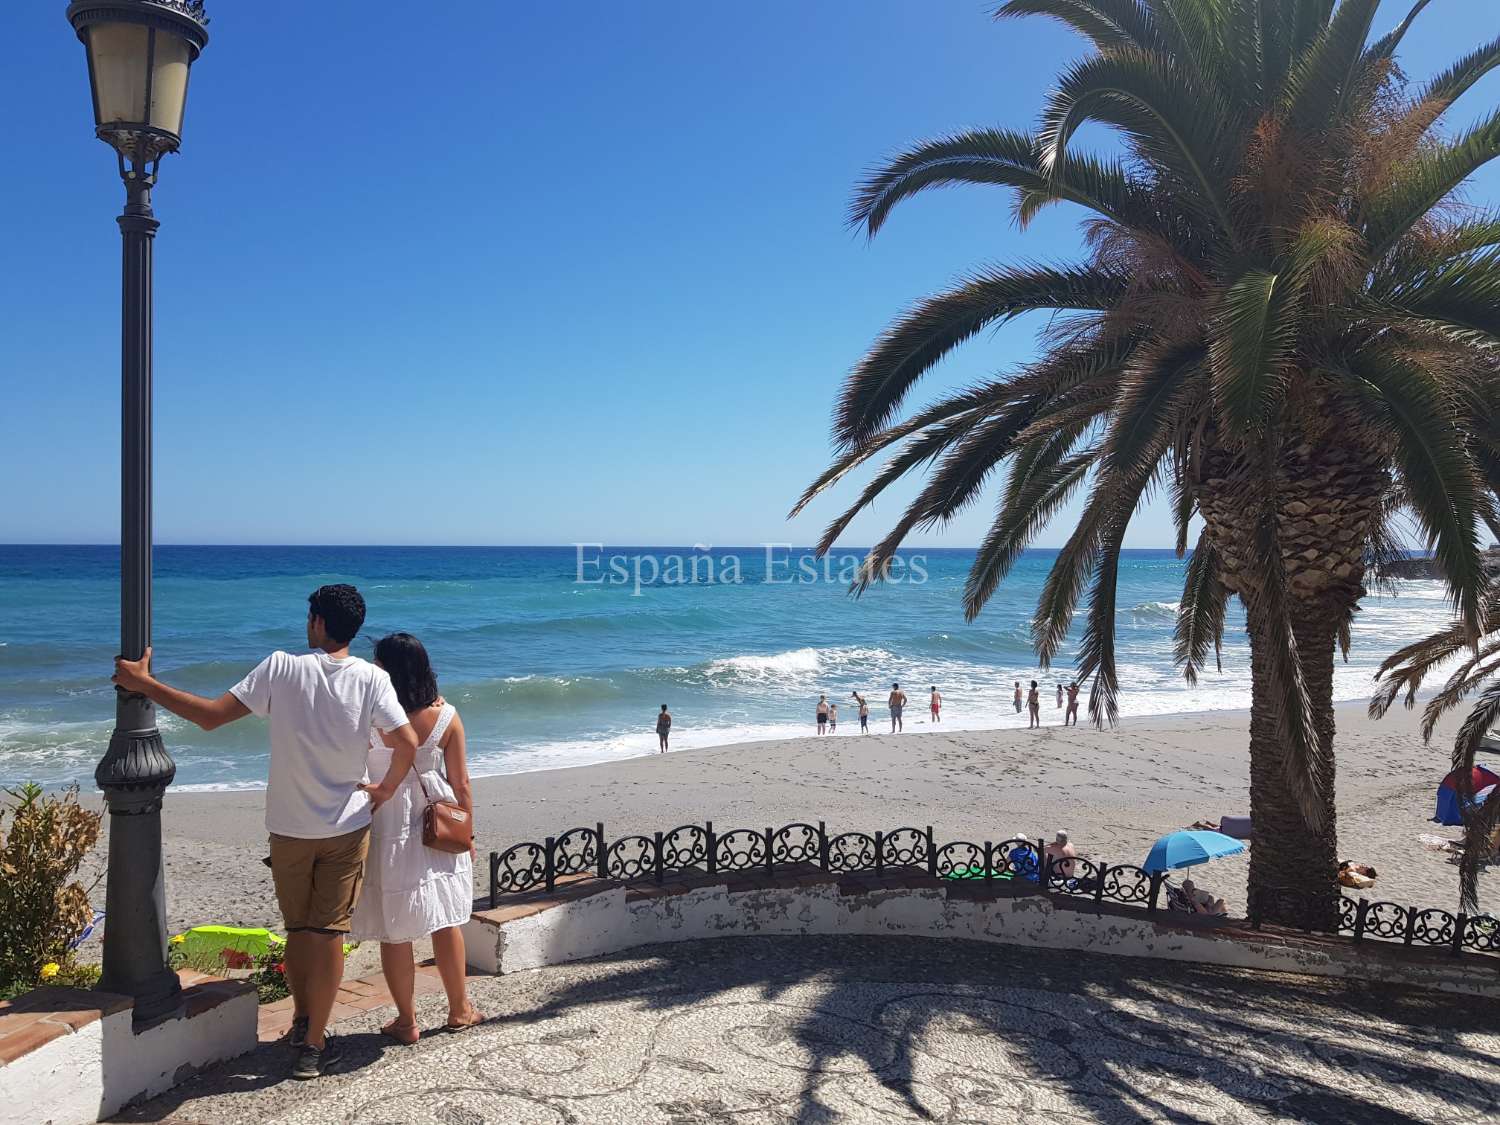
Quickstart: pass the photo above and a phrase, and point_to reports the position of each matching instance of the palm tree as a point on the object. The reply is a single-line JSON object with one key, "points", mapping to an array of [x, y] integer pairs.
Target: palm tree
{"points": [[1282, 318], [1472, 667]]}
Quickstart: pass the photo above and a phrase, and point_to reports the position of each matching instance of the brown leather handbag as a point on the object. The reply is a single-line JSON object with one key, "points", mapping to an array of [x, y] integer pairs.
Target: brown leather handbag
{"points": [[445, 826]]}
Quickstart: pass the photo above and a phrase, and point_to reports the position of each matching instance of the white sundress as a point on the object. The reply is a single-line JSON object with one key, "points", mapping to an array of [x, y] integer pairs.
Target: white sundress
{"points": [[410, 889]]}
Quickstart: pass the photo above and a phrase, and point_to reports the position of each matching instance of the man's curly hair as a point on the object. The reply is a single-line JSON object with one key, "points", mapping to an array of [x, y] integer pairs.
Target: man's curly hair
{"points": [[341, 608]]}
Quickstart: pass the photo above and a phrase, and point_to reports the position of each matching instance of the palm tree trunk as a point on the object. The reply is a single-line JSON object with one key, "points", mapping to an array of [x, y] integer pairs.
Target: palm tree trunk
{"points": [[1293, 869], [1328, 500]]}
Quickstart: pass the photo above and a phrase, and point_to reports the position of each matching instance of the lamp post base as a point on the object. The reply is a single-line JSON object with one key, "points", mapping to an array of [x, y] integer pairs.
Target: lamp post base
{"points": [[134, 775]]}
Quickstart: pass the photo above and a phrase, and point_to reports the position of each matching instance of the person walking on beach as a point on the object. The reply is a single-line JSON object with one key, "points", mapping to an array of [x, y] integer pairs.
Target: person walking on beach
{"points": [[1034, 706], [896, 702], [833, 718], [663, 727], [412, 890], [822, 714], [936, 703], [322, 706], [1071, 718], [1018, 697], [864, 713]]}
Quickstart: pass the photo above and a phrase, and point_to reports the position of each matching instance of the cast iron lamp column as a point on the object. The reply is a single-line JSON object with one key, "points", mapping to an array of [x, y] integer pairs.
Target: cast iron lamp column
{"points": [[139, 54]]}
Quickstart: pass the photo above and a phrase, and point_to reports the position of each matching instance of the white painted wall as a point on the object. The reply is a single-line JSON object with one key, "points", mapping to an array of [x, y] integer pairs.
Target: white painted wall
{"points": [[91, 1073], [605, 923]]}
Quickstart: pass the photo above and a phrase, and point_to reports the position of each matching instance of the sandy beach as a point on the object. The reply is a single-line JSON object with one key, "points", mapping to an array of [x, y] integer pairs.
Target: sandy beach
{"points": [[1113, 791]]}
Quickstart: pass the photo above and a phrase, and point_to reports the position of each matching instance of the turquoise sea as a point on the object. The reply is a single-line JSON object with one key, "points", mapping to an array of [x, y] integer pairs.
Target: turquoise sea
{"points": [[556, 661]]}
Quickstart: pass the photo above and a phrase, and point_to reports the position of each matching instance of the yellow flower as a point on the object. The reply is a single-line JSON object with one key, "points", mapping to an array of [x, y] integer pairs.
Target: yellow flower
{"points": [[50, 970], [178, 939]]}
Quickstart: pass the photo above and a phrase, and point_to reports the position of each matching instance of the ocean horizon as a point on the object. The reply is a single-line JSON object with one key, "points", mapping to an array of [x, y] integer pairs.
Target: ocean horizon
{"points": [[561, 656]]}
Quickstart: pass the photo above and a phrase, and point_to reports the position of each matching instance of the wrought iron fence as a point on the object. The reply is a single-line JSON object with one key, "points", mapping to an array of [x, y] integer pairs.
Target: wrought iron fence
{"points": [[694, 849]]}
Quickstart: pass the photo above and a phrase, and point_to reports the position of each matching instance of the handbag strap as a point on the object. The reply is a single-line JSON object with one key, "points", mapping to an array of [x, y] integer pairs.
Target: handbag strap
{"points": [[434, 736]]}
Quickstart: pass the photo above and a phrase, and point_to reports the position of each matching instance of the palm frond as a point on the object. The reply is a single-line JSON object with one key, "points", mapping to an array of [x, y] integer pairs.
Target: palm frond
{"points": [[1385, 47], [1157, 107], [1200, 614], [1321, 82], [1424, 183], [1251, 336], [980, 156], [976, 398], [1435, 468], [1106, 23], [1024, 512], [1454, 82], [937, 325], [1480, 821]]}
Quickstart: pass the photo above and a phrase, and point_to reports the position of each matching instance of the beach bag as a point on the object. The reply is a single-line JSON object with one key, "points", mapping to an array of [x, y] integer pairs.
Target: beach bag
{"points": [[445, 826]]}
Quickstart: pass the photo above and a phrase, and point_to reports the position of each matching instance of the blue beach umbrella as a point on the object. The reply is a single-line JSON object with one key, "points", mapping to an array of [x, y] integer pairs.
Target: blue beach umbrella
{"points": [[1183, 849]]}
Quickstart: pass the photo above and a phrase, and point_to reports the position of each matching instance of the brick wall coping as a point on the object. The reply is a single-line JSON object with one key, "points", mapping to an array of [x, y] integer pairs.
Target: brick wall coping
{"points": [[36, 1018]]}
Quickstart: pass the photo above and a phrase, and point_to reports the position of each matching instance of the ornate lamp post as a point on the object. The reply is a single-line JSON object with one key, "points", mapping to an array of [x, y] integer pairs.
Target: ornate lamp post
{"points": [[139, 53]]}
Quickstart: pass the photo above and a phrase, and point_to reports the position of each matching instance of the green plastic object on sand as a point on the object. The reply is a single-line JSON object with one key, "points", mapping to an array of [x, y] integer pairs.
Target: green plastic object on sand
{"points": [[207, 942]]}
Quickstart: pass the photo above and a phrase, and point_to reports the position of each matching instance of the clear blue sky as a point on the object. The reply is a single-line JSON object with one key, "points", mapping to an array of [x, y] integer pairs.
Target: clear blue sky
{"points": [[514, 273]]}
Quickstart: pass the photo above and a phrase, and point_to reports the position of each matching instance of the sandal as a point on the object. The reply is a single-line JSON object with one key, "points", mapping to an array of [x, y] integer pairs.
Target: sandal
{"points": [[397, 1031], [476, 1018]]}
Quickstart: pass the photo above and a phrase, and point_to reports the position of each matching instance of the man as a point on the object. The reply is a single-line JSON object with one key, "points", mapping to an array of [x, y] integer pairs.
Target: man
{"points": [[823, 714], [896, 702], [864, 713], [1018, 697], [322, 706], [1062, 855], [1071, 718], [937, 705]]}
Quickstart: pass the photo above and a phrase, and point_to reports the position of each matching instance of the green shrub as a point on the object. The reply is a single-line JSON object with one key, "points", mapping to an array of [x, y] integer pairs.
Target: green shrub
{"points": [[43, 841]]}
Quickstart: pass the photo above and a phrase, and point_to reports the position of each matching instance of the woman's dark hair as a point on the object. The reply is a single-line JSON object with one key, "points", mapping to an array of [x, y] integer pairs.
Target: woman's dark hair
{"points": [[341, 608], [405, 661]]}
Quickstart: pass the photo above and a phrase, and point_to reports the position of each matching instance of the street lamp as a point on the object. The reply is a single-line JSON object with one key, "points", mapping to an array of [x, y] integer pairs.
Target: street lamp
{"points": [[139, 53]]}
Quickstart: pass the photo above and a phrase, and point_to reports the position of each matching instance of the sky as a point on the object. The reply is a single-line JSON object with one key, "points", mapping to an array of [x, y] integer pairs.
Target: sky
{"points": [[513, 273]]}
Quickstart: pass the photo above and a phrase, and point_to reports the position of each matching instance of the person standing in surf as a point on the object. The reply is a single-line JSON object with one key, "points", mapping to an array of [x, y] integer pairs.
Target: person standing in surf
{"points": [[896, 702], [1071, 718], [936, 703], [1034, 706], [663, 727], [1018, 697], [864, 713], [1059, 694], [833, 718], [822, 714]]}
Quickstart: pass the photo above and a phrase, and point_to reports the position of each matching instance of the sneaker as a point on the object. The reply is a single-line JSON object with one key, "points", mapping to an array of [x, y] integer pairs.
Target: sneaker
{"points": [[297, 1037], [313, 1061]]}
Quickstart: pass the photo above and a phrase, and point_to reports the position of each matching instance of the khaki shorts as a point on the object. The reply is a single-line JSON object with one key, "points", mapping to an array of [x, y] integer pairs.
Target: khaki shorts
{"points": [[318, 881]]}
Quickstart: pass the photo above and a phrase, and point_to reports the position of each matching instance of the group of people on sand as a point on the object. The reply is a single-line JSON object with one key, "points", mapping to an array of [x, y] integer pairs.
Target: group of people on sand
{"points": [[348, 856], [827, 715], [1032, 701]]}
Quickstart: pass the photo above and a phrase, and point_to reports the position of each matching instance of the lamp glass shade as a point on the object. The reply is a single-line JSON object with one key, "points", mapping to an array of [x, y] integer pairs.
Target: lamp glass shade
{"points": [[118, 53], [140, 75], [169, 81]]}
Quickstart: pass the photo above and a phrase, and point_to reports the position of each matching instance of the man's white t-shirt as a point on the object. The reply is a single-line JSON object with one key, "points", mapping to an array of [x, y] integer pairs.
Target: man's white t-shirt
{"points": [[321, 712]]}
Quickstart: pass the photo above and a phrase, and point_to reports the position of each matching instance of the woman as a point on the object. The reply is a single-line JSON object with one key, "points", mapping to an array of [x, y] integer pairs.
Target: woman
{"points": [[412, 890], [663, 727]]}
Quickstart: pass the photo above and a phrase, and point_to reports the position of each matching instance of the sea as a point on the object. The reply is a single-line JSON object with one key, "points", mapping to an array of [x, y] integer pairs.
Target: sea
{"points": [[562, 656]]}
